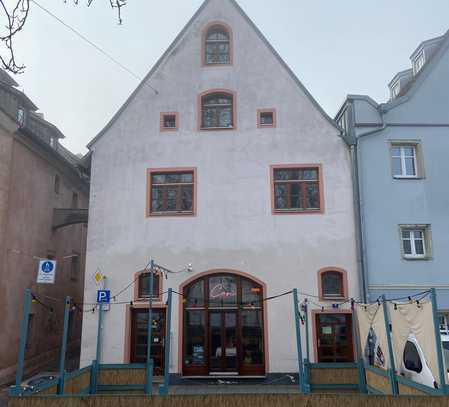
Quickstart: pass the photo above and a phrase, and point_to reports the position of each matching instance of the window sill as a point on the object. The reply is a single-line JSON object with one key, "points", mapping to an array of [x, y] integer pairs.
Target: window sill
{"points": [[212, 65], [333, 299], [216, 128], [168, 214], [169, 129], [407, 177], [297, 212], [417, 258], [144, 300], [266, 126]]}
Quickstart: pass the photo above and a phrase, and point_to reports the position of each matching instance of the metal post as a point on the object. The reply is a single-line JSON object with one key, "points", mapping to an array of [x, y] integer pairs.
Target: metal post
{"points": [[163, 389], [149, 378], [441, 370], [392, 370], [298, 341], [96, 365], [359, 353], [23, 336], [99, 331], [65, 335], [93, 378], [306, 313]]}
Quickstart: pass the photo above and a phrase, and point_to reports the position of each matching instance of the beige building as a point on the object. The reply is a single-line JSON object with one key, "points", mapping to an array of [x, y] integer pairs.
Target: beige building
{"points": [[37, 177]]}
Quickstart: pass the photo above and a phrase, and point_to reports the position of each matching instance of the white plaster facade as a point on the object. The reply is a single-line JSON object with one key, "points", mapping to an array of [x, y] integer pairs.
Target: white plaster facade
{"points": [[234, 227]]}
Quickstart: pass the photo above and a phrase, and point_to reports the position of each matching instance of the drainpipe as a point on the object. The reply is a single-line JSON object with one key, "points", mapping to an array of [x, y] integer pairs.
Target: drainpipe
{"points": [[358, 216], [358, 205]]}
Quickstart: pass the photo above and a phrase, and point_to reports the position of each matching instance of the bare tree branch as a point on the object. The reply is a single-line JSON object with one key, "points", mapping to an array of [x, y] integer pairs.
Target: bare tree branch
{"points": [[14, 21]]}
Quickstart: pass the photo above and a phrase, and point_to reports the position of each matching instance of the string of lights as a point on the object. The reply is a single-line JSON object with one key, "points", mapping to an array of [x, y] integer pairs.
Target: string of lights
{"points": [[35, 257]]}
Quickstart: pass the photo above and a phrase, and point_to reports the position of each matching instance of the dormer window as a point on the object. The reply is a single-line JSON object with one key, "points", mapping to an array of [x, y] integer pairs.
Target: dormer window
{"points": [[395, 89], [419, 63], [217, 45]]}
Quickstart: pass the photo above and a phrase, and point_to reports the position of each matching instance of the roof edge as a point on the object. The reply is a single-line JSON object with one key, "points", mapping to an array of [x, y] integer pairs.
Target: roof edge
{"points": [[399, 75], [285, 65], [421, 76], [177, 39], [420, 47], [148, 75]]}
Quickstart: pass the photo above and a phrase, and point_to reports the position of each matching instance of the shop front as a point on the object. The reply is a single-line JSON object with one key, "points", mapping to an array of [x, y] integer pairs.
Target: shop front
{"points": [[223, 326]]}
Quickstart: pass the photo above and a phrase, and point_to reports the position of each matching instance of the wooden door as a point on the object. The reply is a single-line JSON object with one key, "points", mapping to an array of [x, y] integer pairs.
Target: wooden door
{"points": [[223, 347], [139, 338], [334, 338]]}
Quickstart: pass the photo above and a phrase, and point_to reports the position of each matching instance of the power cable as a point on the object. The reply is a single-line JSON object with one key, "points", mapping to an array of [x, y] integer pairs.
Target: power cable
{"points": [[99, 49]]}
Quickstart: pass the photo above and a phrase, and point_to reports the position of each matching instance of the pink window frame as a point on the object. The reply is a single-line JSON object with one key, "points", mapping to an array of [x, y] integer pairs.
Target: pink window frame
{"points": [[200, 109], [266, 126], [203, 44], [211, 273], [344, 276], [150, 171], [162, 128], [315, 333], [275, 211], [128, 326], [137, 286]]}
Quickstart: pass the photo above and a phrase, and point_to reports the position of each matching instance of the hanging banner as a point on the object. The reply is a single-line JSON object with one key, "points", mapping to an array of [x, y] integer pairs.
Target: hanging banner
{"points": [[373, 335], [414, 341]]}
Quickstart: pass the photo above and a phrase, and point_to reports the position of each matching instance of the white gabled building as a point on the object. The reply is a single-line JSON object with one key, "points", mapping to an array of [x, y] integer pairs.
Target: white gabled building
{"points": [[231, 166]]}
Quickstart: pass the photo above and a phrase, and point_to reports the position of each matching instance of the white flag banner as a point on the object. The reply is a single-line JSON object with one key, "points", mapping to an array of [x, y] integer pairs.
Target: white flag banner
{"points": [[373, 335], [413, 326]]}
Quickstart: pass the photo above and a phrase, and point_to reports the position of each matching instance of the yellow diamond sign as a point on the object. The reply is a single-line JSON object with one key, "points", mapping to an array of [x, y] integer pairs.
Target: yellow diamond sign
{"points": [[98, 277]]}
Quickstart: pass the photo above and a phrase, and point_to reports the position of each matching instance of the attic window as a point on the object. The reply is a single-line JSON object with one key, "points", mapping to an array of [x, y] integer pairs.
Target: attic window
{"points": [[169, 121], [266, 118], [217, 111], [217, 45], [419, 62]]}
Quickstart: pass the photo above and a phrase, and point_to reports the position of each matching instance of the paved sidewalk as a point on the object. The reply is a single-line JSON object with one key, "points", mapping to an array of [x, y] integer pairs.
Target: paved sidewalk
{"points": [[3, 396]]}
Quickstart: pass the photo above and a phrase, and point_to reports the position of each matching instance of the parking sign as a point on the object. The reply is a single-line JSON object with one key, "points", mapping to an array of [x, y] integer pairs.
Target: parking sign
{"points": [[103, 296]]}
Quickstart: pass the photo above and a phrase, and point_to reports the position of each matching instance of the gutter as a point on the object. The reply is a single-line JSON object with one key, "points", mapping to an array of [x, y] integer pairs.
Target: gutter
{"points": [[358, 205]]}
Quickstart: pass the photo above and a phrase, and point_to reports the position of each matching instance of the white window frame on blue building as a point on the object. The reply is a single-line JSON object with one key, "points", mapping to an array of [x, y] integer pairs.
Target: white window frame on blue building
{"points": [[404, 157], [416, 234]]}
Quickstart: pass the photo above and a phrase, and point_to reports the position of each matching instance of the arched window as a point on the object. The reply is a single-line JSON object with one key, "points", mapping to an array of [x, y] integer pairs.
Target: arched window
{"points": [[143, 285], [217, 111], [217, 47], [332, 284], [223, 330]]}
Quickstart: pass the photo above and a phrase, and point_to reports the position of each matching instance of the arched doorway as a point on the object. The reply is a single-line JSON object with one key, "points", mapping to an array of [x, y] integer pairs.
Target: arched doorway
{"points": [[223, 327]]}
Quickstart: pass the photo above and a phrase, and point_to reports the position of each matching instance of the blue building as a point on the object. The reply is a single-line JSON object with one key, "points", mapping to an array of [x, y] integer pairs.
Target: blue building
{"points": [[400, 155]]}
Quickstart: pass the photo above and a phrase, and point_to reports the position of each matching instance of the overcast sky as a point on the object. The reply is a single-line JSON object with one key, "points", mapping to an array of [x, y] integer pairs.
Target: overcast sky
{"points": [[334, 47]]}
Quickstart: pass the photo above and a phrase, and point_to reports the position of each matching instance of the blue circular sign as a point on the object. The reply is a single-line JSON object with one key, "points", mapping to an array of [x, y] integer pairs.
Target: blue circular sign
{"points": [[47, 267]]}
